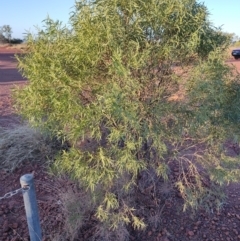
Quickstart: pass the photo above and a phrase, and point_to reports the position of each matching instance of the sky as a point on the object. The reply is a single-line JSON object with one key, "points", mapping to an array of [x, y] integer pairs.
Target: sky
{"points": [[23, 15]]}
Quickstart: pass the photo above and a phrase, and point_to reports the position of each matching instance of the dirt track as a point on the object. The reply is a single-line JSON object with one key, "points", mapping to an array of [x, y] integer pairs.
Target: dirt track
{"points": [[8, 72], [9, 77]]}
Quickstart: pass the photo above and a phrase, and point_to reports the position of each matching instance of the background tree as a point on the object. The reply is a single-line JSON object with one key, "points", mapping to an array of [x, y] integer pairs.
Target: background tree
{"points": [[104, 86], [235, 39], [212, 38], [2, 39], [6, 31]]}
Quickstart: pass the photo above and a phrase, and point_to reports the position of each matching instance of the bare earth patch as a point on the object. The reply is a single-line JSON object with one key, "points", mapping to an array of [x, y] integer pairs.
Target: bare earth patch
{"points": [[9, 77], [234, 63], [165, 220]]}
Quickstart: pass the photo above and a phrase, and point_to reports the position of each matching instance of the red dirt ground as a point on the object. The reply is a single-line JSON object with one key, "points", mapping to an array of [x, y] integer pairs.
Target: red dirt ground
{"points": [[9, 77], [166, 221]]}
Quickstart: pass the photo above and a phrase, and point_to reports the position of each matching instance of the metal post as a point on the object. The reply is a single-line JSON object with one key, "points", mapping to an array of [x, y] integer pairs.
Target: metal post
{"points": [[31, 208]]}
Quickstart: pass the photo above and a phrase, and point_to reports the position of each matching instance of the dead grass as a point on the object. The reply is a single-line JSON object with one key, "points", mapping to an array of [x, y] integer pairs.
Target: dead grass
{"points": [[77, 210], [76, 207], [22, 143], [103, 233]]}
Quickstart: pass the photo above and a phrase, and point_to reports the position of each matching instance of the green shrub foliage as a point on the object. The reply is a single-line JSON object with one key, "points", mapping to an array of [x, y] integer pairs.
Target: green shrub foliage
{"points": [[103, 84]]}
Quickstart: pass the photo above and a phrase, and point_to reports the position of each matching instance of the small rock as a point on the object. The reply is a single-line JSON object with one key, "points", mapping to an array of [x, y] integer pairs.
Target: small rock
{"points": [[149, 233], [15, 225], [198, 223], [165, 239], [235, 231], [238, 216], [5, 228], [132, 238], [178, 194], [190, 233]]}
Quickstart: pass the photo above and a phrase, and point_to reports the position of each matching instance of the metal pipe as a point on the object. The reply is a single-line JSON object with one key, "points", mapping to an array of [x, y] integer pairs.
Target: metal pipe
{"points": [[31, 208]]}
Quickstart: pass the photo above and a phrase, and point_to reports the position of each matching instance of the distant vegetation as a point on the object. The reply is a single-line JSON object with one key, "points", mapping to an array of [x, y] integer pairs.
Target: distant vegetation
{"points": [[235, 40], [236, 44], [6, 36]]}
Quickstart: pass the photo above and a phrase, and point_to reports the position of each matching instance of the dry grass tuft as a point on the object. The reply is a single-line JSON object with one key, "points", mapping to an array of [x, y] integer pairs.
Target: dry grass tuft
{"points": [[103, 233], [77, 208], [22, 143]]}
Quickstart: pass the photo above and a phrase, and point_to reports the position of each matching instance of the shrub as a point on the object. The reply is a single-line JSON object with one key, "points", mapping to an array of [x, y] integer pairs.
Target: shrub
{"points": [[104, 86], [16, 41]]}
